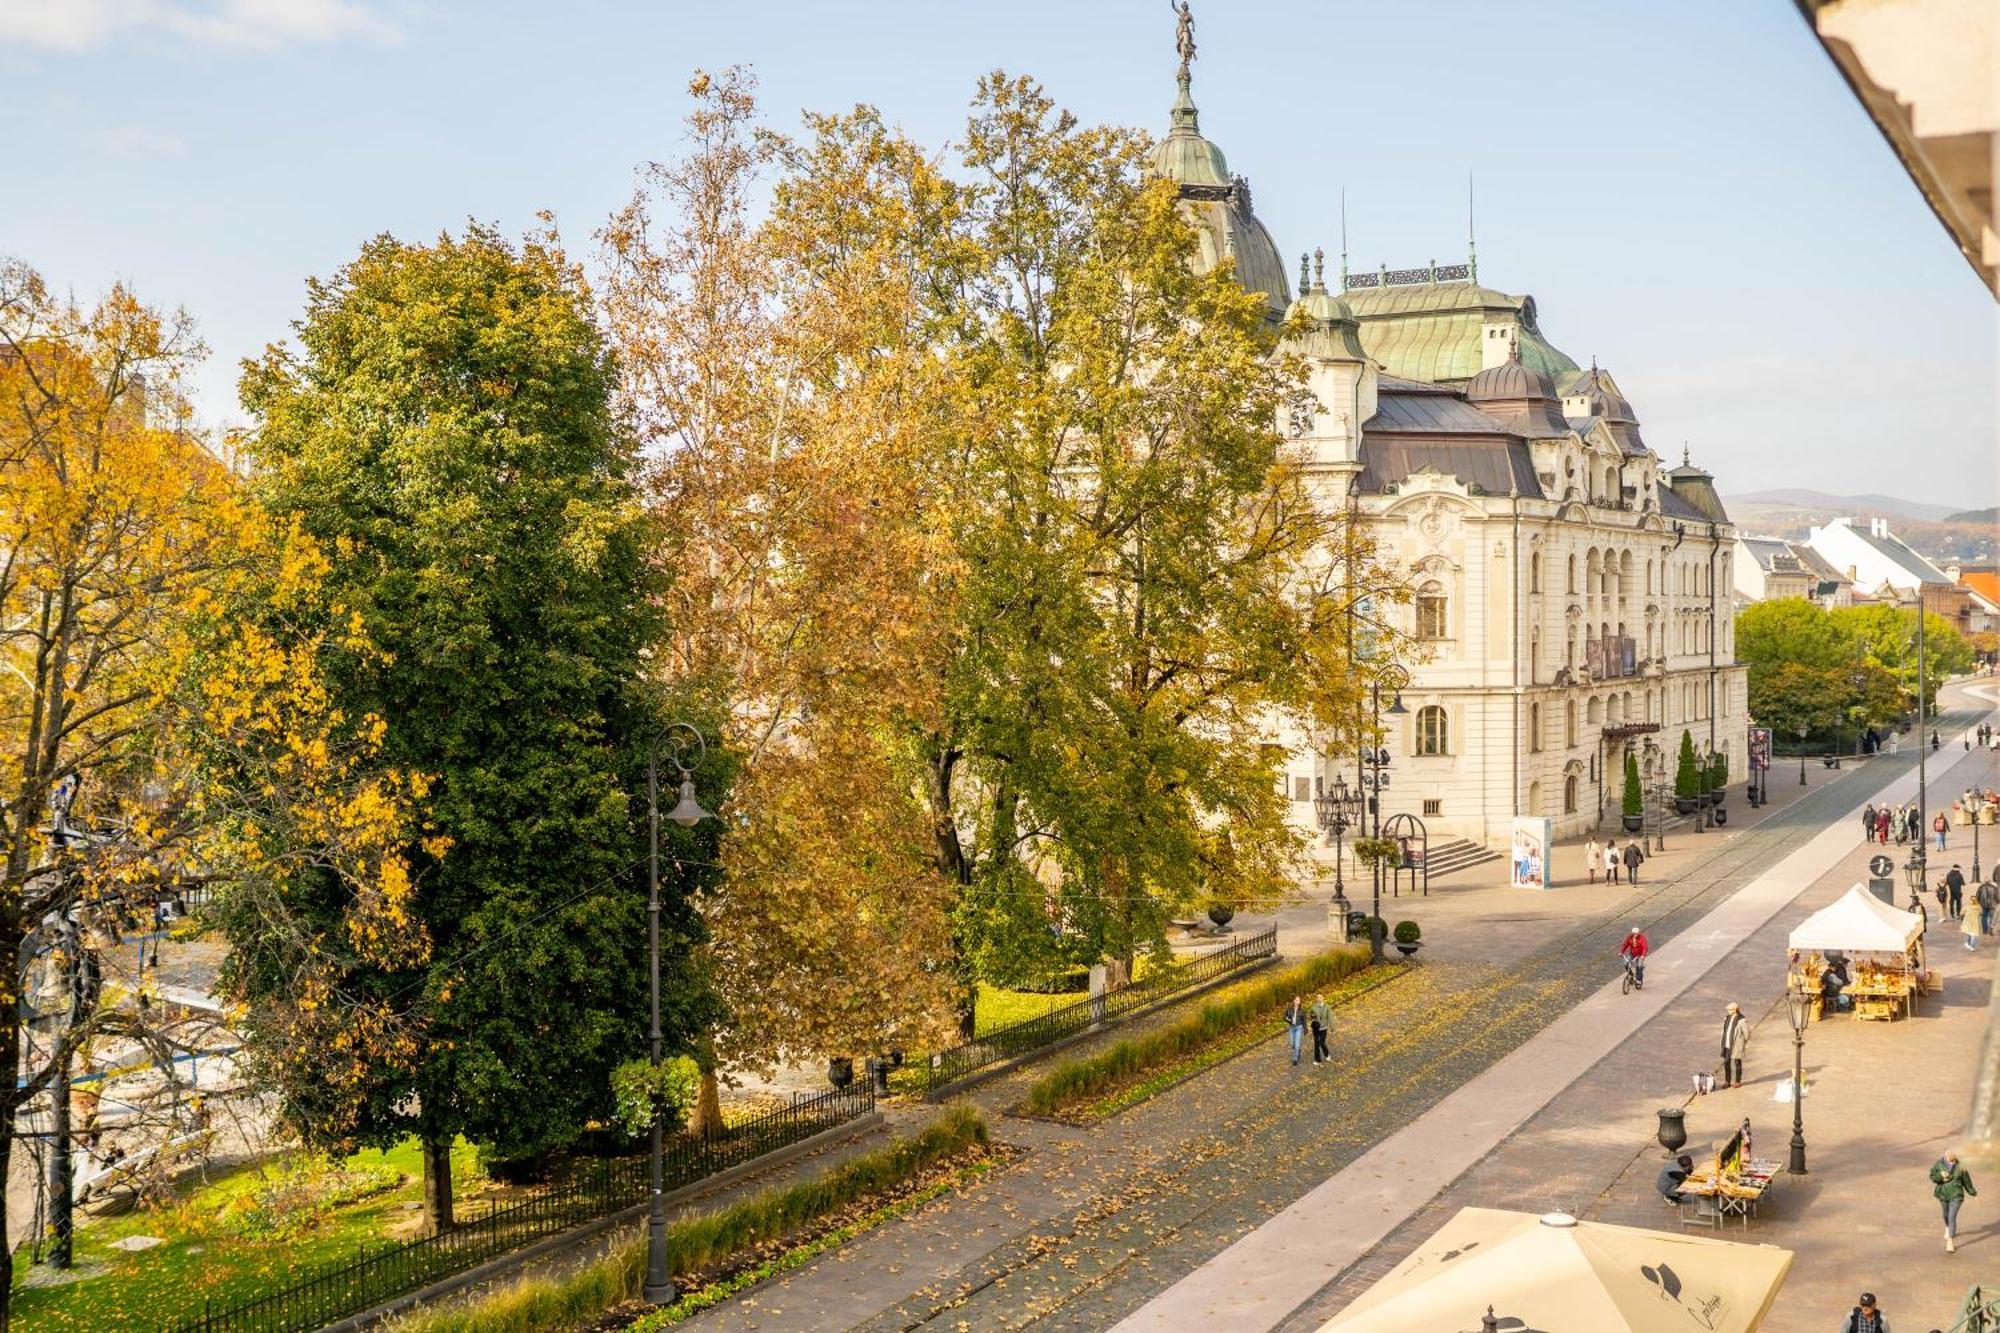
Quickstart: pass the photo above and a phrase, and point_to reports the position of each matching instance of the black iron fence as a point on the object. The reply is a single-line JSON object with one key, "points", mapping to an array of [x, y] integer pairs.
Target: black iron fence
{"points": [[949, 1066], [590, 1191]]}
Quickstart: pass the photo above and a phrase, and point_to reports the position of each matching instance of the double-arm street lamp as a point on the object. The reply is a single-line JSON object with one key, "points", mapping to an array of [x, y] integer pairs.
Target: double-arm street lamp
{"points": [[1336, 807], [1656, 767], [679, 738], [1798, 1005], [1374, 764]]}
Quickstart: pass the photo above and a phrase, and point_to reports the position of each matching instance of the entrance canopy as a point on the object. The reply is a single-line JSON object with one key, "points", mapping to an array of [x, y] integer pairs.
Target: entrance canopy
{"points": [[1555, 1274], [1858, 922]]}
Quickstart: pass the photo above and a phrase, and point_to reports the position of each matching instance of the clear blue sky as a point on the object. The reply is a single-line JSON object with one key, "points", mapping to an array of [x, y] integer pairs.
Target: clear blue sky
{"points": [[1689, 190]]}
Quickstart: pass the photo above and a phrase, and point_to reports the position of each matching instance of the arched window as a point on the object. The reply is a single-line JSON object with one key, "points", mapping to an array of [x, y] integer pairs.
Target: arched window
{"points": [[1572, 574], [1432, 621], [1569, 794], [1569, 723], [1535, 572], [1535, 728], [1433, 732], [1593, 711], [1534, 798], [1649, 578]]}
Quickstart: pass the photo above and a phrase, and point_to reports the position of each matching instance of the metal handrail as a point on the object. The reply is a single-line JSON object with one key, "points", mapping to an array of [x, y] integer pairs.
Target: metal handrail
{"points": [[949, 1066]]}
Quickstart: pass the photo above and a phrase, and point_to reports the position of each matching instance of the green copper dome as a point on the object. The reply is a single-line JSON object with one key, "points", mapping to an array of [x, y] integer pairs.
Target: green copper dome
{"points": [[1219, 206]]}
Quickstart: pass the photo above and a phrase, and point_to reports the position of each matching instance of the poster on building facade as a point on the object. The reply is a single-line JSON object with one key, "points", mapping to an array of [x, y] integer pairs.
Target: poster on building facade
{"points": [[1533, 838], [1760, 748]]}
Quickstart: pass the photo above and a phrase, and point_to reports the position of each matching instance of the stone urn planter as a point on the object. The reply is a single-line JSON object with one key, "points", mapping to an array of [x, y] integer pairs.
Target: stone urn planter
{"points": [[1632, 823], [1221, 914], [1673, 1133], [1686, 805]]}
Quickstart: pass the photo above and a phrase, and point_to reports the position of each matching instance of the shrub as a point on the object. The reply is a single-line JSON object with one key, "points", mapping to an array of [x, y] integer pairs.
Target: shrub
{"points": [[1635, 799], [1224, 1012], [709, 1240], [1408, 932], [1687, 770]]}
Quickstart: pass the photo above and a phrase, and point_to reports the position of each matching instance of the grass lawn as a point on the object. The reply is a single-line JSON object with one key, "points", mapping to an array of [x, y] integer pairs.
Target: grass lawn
{"points": [[997, 1008], [205, 1256]]}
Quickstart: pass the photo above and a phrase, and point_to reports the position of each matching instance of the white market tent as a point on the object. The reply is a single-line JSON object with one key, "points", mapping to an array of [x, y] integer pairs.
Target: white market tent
{"points": [[1555, 1274], [1857, 922]]}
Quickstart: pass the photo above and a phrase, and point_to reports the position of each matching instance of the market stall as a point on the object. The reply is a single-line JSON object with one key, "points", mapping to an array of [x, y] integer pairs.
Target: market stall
{"points": [[1864, 949], [1555, 1274]]}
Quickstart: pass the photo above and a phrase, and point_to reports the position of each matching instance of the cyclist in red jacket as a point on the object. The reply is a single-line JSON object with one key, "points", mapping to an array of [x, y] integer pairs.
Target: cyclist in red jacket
{"points": [[1633, 951]]}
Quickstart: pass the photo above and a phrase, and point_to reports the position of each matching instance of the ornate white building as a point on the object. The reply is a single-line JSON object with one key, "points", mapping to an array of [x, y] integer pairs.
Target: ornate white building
{"points": [[1571, 591]]}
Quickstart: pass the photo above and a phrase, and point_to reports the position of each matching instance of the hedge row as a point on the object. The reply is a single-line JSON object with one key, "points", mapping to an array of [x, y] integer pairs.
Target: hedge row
{"points": [[1228, 1010], [707, 1241]]}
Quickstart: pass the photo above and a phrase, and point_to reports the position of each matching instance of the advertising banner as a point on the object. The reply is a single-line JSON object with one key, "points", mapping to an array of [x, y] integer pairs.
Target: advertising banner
{"points": [[1533, 838]]}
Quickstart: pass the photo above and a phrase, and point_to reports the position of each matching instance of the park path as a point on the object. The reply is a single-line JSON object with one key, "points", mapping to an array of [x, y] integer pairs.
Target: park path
{"points": [[1094, 1223]]}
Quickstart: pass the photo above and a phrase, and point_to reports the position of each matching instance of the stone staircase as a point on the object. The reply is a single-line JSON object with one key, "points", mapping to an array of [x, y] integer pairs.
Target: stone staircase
{"points": [[1456, 854]]}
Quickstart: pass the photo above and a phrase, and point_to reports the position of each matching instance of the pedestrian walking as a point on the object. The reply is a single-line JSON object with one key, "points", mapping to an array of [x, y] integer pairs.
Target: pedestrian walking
{"points": [[1593, 859], [1633, 856], [1322, 1023], [1295, 1026], [1988, 897], [1950, 1184], [1610, 863], [1865, 1317], [1735, 1036], [1968, 924], [1940, 826], [1954, 891], [1868, 822], [1882, 826]]}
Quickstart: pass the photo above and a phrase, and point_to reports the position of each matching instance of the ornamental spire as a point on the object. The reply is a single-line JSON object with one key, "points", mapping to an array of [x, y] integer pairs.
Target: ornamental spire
{"points": [[1184, 114]]}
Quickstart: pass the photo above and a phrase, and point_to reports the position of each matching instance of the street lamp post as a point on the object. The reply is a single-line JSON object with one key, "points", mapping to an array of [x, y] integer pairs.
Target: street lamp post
{"points": [[687, 812], [1375, 781], [1799, 1007], [1335, 808], [1804, 732]]}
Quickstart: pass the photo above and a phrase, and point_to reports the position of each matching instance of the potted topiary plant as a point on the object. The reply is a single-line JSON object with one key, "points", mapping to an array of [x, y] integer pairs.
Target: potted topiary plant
{"points": [[1634, 804], [1408, 933], [1687, 777], [1718, 776]]}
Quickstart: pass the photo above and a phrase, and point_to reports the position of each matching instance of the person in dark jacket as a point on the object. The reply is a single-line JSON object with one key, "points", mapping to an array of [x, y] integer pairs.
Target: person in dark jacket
{"points": [[1950, 1185], [1868, 822], [1865, 1317], [1633, 856], [1954, 888], [1672, 1176]]}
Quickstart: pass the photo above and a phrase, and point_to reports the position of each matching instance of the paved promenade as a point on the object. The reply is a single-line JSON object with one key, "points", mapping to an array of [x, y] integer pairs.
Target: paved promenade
{"points": [[1093, 1225], [1258, 1281]]}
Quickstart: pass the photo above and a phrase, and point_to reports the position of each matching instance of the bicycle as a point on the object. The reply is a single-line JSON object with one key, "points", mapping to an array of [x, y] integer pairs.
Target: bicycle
{"points": [[1634, 978]]}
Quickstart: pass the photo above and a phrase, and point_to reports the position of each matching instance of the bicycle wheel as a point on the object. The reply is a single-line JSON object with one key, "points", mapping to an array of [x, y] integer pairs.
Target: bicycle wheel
{"points": [[1625, 984]]}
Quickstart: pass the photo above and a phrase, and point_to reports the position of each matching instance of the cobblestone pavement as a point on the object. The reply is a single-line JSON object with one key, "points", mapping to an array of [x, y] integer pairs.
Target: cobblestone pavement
{"points": [[1096, 1222]]}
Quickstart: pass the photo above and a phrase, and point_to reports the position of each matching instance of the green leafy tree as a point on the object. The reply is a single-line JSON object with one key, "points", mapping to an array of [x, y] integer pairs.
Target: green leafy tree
{"points": [[1634, 796], [1791, 630], [1795, 699], [443, 431], [1887, 635]]}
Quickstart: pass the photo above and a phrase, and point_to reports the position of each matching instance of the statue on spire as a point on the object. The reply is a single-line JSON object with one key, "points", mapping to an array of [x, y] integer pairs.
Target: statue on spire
{"points": [[1184, 34]]}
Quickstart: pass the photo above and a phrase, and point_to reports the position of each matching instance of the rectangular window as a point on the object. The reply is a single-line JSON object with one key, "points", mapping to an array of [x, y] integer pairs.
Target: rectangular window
{"points": [[1302, 789], [1430, 616]]}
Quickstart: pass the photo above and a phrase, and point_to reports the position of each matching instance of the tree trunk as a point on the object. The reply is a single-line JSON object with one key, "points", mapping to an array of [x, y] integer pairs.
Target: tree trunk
{"points": [[437, 1183], [706, 1118]]}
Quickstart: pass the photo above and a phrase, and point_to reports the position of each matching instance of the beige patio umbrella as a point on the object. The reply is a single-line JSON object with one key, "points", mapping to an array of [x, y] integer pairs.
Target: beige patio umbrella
{"points": [[1554, 1274]]}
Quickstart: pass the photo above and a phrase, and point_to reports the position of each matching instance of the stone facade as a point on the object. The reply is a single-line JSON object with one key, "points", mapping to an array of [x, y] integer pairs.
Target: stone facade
{"points": [[1572, 595]]}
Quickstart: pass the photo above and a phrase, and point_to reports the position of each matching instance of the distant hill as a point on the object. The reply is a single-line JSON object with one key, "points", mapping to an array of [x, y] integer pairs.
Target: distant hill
{"points": [[1986, 517], [1824, 503]]}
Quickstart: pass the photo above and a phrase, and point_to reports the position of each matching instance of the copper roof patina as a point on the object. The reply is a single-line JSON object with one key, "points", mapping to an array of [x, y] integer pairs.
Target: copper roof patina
{"points": [[1436, 331], [1484, 467]]}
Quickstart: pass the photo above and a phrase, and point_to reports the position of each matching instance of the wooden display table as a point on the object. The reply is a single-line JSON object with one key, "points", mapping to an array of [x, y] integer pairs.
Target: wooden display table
{"points": [[1707, 1199]]}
